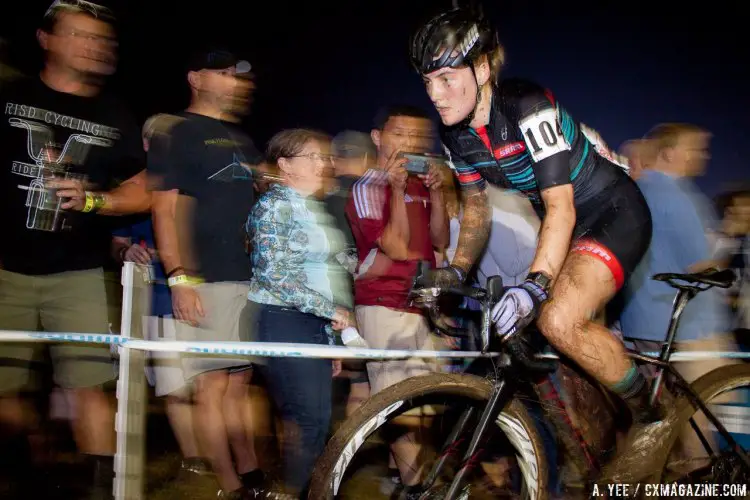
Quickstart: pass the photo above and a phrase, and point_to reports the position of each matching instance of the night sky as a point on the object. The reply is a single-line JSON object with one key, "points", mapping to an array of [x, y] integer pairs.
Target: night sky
{"points": [[620, 67]]}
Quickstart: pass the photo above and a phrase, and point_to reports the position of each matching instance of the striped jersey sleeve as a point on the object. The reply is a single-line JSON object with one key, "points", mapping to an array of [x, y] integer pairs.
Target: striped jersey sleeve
{"points": [[369, 194], [468, 177]]}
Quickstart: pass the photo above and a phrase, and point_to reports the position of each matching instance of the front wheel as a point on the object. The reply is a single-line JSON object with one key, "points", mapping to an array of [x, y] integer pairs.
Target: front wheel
{"points": [[349, 466]]}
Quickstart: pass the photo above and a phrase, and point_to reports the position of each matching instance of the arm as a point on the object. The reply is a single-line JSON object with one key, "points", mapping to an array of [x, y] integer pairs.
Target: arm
{"points": [[477, 218], [120, 245], [129, 197], [686, 230], [280, 269], [550, 157], [439, 227], [381, 215], [170, 168], [164, 212], [126, 161], [394, 241], [556, 230]]}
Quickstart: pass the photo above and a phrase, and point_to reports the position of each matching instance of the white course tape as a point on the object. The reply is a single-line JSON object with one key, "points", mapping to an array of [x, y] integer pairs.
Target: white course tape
{"points": [[264, 349], [283, 350]]}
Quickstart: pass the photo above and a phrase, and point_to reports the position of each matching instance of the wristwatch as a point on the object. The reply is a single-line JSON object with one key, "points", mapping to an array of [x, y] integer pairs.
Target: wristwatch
{"points": [[542, 280]]}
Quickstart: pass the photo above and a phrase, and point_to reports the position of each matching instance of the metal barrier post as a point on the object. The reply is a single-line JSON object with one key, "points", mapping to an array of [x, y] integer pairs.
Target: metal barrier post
{"points": [[132, 405]]}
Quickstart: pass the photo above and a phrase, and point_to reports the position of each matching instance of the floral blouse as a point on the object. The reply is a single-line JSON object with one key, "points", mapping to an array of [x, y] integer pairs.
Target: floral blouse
{"points": [[294, 246]]}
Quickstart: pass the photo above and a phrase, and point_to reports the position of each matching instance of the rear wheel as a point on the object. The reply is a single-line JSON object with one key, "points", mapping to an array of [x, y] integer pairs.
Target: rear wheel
{"points": [[513, 462], [726, 392]]}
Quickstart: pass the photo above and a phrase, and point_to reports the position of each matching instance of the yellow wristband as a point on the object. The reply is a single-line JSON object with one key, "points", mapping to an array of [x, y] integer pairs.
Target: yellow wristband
{"points": [[100, 201], [89, 204], [183, 279]]}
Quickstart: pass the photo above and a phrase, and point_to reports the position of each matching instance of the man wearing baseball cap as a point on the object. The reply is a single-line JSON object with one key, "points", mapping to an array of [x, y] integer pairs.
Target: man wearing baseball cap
{"points": [[203, 190]]}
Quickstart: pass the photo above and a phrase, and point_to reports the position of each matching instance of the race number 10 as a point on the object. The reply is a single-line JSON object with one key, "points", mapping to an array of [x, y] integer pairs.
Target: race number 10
{"points": [[542, 134]]}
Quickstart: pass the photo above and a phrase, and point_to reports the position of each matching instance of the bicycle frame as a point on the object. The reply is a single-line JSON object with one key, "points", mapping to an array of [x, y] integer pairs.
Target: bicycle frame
{"points": [[683, 296], [504, 389]]}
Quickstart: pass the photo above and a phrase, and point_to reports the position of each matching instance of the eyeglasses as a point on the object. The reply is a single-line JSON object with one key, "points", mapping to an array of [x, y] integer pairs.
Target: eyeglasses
{"points": [[96, 10], [315, 157]]}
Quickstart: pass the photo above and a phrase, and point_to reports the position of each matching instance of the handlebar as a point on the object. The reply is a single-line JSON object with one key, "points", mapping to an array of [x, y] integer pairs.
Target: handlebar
{"points": [[516, 346]]}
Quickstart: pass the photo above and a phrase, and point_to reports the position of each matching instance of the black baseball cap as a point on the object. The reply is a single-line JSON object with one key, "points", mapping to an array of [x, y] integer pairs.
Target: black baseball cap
{"points": [[218, 59]]}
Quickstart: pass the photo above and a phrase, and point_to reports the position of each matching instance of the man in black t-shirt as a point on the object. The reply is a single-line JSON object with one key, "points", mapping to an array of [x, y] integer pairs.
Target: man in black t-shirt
{"points": [[69, 155], [203, 183]]}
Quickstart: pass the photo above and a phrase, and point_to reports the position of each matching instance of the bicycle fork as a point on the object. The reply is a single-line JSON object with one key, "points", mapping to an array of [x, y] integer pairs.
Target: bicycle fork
{"points": [[501, 395]]}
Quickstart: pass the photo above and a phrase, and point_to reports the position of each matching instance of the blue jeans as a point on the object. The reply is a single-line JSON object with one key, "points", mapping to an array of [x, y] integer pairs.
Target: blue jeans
{"points": [[300, 388]]}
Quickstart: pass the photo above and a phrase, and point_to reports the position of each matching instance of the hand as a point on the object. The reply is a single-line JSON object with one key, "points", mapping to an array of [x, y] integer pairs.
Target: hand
{"points": [[517, 308], [187, 305], [139, 255], [444, 277], [434, 179], [73, 190], [396, 169], [336, 367], [343, 318]]}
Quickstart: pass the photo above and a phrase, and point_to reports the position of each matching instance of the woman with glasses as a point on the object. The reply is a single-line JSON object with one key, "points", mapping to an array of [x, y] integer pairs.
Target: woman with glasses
{"points": [[302, 292]]}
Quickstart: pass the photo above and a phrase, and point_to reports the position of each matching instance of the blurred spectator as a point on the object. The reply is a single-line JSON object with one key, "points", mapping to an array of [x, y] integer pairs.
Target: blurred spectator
{"points": [[733, 252], [136, 243], [683, 221], [636, 152], [353, 154], [203, 178], [397, 219], [72, 154], [302, 291]]}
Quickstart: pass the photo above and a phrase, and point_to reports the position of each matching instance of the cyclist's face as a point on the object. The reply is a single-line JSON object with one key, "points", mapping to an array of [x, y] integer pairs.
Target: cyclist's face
{"points": [[453, 92], [81, 43]]}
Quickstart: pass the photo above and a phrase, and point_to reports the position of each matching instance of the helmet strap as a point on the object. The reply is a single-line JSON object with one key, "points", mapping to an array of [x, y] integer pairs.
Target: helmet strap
{"points": [[466, 122]]}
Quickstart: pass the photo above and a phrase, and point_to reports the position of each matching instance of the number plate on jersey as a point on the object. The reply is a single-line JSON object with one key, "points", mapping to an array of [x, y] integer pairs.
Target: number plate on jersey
{"points": [[543, 134]]}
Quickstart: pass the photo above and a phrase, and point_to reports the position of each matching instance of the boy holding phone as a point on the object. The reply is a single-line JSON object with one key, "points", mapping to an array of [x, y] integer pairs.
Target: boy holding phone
{"points": [[397, 220]]}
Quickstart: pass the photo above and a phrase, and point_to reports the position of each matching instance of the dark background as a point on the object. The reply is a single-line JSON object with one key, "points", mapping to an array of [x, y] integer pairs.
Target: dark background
{"points": [[620, 67]]}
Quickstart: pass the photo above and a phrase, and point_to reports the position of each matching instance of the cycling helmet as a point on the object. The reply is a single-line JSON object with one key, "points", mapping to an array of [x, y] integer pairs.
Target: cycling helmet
{"points": [[450, 40]]}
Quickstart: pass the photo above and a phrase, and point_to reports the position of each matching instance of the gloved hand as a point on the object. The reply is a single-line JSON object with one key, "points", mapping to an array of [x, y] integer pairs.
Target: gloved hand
{"points": [[518, 307], [444, 277]]}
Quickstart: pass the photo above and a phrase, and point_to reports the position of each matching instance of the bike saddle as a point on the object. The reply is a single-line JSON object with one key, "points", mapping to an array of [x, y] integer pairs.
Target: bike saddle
{"points": [[712, 277]]}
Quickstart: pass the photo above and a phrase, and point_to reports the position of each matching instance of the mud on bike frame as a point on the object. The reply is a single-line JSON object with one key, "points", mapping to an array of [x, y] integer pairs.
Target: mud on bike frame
{"points": [[524, 355]]}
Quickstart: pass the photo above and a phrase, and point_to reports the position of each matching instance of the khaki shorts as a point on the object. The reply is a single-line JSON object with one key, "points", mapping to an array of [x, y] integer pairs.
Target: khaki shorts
{"points": [[223, 305], [70, 302], [384, 328]]}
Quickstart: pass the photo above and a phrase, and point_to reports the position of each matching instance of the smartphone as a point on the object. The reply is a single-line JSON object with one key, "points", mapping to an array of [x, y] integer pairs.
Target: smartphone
{"points": [[420, 163]]}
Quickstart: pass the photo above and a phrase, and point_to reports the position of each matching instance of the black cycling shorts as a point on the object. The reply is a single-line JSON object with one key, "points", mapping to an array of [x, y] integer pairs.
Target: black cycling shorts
{"points": [[615, 227]]}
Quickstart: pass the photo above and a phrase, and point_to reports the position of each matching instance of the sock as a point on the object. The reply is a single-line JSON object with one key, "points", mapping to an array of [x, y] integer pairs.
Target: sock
{"points": [[631, 385]]}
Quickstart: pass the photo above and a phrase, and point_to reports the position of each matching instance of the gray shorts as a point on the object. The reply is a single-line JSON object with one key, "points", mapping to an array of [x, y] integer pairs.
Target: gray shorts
{"points": [[69, 302], [223, 304]]}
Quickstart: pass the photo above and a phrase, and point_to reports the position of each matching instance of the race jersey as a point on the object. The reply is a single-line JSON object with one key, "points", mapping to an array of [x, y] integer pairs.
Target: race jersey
{"points": [[531, 144]]}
